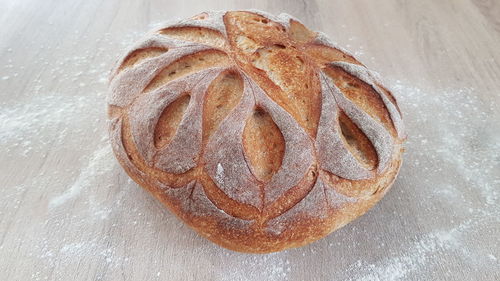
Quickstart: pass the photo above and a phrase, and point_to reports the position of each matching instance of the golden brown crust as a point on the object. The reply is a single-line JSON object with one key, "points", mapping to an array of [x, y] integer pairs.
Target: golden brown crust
{"points": [[257, 132]]}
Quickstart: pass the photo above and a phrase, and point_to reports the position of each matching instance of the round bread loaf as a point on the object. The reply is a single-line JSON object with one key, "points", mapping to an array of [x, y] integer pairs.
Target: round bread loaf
{"points": [[258, 133]]}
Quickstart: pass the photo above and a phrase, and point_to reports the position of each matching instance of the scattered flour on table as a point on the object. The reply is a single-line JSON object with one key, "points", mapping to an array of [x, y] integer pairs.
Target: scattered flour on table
{"points": [[60, 116], [99, 164], [246, 267], [415, 256], [44, 120]]}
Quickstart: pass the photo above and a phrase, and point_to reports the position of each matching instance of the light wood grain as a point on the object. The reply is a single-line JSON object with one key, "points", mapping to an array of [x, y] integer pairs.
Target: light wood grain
{"points": [[69, 212]]}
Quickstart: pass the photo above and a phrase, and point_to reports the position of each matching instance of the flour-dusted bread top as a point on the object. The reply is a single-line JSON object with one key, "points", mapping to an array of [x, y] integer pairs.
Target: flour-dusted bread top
{"points": [[256, 131]]}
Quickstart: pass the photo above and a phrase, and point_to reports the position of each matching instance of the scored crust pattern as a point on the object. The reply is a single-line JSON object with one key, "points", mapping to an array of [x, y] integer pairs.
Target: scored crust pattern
{"points": [[250, 125]]}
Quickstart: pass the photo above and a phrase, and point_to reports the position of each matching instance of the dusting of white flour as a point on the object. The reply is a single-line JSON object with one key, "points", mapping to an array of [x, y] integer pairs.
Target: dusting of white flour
{"points": [[219, 175], [99, 164]]}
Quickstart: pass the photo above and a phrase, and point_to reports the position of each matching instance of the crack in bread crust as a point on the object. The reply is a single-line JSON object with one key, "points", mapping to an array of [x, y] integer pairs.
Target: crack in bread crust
{"points": [[258, 132]]}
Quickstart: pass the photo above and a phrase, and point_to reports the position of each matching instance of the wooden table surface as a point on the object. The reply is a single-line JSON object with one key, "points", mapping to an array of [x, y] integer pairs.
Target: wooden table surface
{"points": [[69, 212]]}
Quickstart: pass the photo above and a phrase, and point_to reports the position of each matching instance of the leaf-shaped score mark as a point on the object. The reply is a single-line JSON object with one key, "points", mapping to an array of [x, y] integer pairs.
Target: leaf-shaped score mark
{"points": [[322, 54], [166, 124], [297, 80], [169, 121], [222, 96], [247, 158], [357, 142], [349, 151], [362, 94], [264, 145], [140, 55], [188, 64]]}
